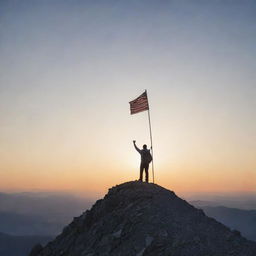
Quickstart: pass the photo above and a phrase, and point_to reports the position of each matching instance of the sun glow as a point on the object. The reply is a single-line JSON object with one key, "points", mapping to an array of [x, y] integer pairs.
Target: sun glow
{"points": [[65, 122]]}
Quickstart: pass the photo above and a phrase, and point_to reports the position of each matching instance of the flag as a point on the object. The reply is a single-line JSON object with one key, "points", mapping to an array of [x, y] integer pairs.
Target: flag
{"points": [[139, 104]]}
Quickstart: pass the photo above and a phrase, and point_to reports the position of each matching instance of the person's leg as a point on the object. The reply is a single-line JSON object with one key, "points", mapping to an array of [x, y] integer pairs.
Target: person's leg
{"points": [[146, 170], [141, 171]]}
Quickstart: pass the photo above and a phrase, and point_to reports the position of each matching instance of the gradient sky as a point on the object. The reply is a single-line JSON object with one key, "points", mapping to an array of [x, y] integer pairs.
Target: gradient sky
{"points": [[69, 68]]}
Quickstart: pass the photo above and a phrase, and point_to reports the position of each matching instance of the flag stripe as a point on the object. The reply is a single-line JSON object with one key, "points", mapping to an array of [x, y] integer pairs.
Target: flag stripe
{"points": [[138, 110], [144, 104], [139, 101], [143, 107]]}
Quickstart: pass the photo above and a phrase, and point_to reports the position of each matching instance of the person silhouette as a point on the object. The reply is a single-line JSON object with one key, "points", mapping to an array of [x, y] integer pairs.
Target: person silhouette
{"points": [[146, 158]]}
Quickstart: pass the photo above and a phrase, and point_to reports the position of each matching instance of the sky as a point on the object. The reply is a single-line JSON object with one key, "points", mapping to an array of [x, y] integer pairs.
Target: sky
{"points": [[69, 68]]}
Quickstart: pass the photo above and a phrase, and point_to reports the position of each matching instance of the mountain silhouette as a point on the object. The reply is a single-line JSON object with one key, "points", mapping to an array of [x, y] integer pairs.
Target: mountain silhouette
{"points": [[141, 219]]}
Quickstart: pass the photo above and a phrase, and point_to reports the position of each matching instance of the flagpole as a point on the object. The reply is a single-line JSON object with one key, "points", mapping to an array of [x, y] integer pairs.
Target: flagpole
{"points": [[151, 140]]}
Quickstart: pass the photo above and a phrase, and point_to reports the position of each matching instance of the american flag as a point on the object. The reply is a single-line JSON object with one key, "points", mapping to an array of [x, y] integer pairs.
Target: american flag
{"points": [[139, 104]]}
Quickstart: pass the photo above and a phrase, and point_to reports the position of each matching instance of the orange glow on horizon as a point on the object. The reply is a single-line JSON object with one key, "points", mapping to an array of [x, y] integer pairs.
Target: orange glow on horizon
{"points": [[68, 72]]}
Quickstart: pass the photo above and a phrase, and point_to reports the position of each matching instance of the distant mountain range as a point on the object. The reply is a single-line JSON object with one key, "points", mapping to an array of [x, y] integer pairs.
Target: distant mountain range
{"points": [[21, 224], [38, 213], [19, 245], [244, 203], [30, 218], [242, 220]]}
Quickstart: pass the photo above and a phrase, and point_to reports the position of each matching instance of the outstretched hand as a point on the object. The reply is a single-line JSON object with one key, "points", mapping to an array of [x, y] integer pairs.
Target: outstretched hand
{"points": [[134, 141]]}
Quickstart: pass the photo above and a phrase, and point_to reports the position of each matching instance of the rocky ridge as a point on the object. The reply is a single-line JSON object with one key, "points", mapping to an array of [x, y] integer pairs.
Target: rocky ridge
{"points": [[141, 219]]}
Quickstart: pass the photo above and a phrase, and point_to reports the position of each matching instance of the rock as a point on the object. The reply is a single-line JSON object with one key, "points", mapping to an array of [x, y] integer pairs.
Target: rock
{"points": [[118, 233], [141, 219], [36, 250]]}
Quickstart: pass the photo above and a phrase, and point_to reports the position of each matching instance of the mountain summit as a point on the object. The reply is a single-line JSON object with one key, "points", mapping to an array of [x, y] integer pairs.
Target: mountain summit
{"points": [[141, 219]]}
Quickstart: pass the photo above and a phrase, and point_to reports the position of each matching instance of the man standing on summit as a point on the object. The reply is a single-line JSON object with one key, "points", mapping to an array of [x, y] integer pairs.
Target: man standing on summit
{"points": [[146, 158]]}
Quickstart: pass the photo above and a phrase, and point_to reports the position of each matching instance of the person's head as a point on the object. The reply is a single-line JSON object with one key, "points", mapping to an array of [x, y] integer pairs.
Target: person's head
{"points": [[144, 146]]}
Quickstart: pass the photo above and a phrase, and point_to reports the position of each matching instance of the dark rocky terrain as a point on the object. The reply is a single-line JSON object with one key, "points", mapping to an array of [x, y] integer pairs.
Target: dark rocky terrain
{"points": [[138, 219]]}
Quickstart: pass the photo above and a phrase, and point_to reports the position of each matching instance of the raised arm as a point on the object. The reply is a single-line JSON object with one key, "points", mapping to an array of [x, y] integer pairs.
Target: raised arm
{"points": [[134, 143]]}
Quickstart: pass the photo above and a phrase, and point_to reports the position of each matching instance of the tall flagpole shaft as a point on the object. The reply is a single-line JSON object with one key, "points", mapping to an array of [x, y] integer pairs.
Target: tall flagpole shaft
{"points": [[151, 140]]}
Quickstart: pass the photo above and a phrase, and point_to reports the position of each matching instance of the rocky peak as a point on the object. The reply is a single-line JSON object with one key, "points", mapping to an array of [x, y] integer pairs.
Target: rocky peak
{"points": [[138, 219]]}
